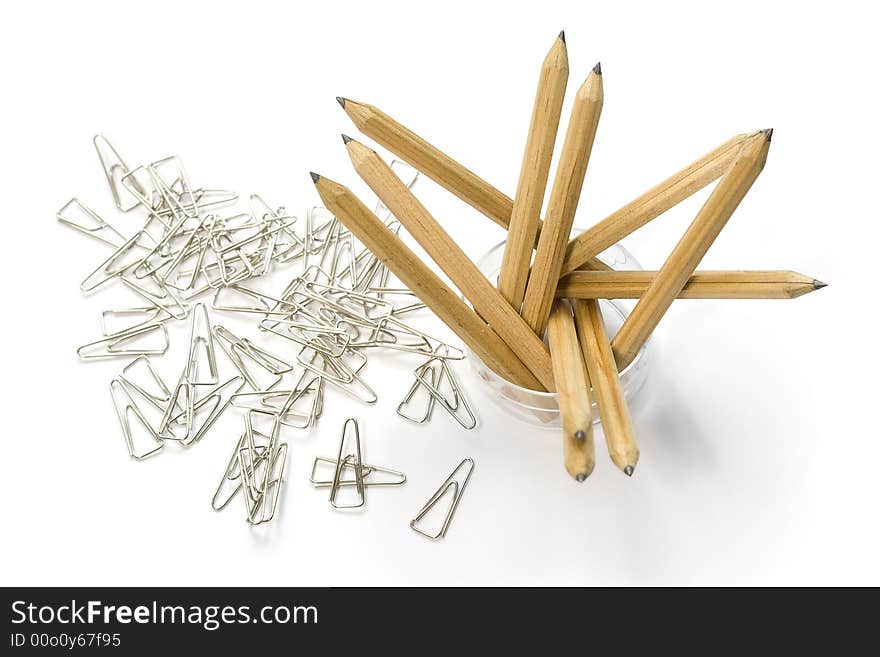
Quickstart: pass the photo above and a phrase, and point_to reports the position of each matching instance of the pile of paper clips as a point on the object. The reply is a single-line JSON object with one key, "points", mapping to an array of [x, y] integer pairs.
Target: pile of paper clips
{"points": [[256, 467], [336, 309]]}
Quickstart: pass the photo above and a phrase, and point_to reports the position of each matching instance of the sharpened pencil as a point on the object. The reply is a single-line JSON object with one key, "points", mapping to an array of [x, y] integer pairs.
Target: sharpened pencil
{"points": [[583, 248], [431, 161], [573, 393], [613, 409], [707, 284], [567, 183], [533, 175]]}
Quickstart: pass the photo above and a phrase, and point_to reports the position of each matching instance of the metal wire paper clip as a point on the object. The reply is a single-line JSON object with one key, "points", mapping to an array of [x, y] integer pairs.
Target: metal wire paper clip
{"points": [[451, 483]]}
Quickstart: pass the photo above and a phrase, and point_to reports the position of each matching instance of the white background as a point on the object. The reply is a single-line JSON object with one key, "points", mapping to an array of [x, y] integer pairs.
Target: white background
{"points": [[757, 427]]}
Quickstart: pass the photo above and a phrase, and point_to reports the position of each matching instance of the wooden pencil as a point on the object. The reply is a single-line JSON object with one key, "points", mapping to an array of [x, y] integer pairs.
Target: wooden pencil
{"points": [[707, 284], [573, 393], [567, 183], [583, 248], [445, 251], [602, 369], [533, 174], [691, 248], [431, 161], [424, 283]]}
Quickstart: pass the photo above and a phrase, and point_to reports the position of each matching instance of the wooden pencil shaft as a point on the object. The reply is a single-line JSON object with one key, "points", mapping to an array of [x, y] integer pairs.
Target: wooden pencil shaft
{"points": [[602, 370], [657, 200], [533, 175], [431, 161], [572, 391], [691, 248], [445, 251], [773, 284], [424, 283], [564, 196]]}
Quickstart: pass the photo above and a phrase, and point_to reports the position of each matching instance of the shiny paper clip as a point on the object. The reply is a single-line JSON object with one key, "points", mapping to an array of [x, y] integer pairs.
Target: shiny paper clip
{"points": [[450, 484]]}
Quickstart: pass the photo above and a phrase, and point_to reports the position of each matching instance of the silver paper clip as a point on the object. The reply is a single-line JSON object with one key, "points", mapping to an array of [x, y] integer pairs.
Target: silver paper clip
{"points": [[354, 461], [451, 483]]}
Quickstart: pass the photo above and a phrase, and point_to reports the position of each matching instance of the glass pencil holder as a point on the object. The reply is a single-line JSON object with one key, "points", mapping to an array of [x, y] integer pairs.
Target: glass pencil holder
{"points": [[541, 409]]}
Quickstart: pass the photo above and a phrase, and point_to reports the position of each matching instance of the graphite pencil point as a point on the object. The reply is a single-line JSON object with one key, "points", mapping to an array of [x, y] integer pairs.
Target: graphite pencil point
{"points": [[341, 101], [315, 176]]}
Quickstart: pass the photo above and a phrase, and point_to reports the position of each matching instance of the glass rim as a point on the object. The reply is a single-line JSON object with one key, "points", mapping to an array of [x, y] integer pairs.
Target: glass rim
{"points": [[614, 303]]}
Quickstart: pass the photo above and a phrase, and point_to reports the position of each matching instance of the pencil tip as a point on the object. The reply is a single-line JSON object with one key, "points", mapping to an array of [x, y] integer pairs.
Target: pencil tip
{"points": [[346, 139], [597, 69], [341, 101], [818, 285], [562, 36], [628, 471], [581, 477], [315, 176], [580, 435], [768, 133]]}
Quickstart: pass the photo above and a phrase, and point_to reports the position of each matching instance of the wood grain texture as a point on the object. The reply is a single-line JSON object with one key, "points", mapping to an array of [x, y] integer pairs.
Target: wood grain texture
{"points": [[709, 284], [446, 252], [567, 183], [691, 248], [431, 161], [650, 205], [534, 172], [613, 409], [573, 393], [424, 283]]}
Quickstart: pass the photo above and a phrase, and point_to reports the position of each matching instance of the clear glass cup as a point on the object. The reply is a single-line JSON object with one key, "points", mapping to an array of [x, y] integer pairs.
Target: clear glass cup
{"points": [[541, 409]]}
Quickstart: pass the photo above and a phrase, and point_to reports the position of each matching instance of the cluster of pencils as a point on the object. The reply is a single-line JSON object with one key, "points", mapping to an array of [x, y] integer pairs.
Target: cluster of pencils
{"points": [[550, 284]]}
